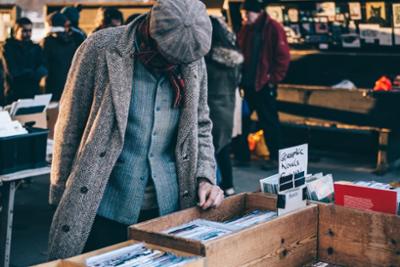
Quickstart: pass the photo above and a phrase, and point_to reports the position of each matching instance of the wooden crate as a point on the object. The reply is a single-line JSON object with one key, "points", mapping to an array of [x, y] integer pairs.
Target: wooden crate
{"points": [[288, 240], [351, 237], [79, 261]]}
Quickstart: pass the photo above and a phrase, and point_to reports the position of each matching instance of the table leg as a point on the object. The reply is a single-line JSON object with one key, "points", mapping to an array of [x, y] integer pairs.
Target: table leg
{"points": [[7, 191]]}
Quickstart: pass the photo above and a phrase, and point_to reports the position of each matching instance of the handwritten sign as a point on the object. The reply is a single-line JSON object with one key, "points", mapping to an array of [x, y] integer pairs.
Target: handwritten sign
{"points": [[293, 160]]}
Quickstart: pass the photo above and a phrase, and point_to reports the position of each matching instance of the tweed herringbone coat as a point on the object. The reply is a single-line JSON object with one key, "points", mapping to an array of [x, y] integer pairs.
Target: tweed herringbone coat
{"points": [[89, 134]]}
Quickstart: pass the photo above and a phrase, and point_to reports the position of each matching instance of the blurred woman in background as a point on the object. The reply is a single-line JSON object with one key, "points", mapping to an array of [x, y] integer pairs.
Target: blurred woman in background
{"points": [[223, 68]]}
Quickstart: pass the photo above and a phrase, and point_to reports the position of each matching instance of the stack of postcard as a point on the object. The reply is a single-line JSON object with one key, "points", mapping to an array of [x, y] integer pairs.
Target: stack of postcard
{"points": [[319, 186], [205, 230], [251, 218], [137, 255], [202, 230]]}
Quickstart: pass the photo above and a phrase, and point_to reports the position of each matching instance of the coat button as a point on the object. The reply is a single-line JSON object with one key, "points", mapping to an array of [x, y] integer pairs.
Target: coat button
{"points": [[84, 189], [65, 228], [102, 154], [185, 194]]}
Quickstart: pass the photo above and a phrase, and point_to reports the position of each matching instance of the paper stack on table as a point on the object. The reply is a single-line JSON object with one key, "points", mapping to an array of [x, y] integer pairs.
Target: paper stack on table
{"points": [[9, 127]]}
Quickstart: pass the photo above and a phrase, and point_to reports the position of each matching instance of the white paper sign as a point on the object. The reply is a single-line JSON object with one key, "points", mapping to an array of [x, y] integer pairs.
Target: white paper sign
{"points": [[355, 10], [293, 160]]}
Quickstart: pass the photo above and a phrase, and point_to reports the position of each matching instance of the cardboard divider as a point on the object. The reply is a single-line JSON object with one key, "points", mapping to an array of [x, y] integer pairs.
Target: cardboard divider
{"points": [[281, 241], [353, 237]]}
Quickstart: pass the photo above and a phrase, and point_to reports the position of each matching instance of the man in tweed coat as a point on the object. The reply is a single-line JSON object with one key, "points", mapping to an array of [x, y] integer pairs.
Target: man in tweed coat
{"points": [[133, 135]]}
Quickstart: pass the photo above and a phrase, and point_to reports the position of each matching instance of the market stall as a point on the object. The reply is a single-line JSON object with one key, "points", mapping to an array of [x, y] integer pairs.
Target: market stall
{"points": [[338, 50]]}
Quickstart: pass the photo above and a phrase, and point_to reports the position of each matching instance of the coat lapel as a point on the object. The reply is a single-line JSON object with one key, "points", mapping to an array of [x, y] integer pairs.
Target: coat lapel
{"points": [[120, 63], [188, 114], [120, 70]]}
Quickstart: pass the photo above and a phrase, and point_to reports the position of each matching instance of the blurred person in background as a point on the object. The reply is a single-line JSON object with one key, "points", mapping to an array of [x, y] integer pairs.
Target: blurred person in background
{"points": [[22, 63], [267, 57], [2, 100], [223, 69], [58, 50], [108, 17], [72, 14]]}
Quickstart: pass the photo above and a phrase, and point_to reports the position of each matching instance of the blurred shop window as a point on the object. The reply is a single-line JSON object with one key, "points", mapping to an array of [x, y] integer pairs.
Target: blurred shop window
{"points": [[5, 26]]}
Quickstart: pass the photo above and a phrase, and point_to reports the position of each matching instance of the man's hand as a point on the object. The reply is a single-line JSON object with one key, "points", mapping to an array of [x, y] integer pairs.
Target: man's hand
{"points": [[210, 196]]}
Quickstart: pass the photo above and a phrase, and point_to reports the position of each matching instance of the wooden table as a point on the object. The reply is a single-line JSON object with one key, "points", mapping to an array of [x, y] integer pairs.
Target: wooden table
{"points": [[8, 184]]}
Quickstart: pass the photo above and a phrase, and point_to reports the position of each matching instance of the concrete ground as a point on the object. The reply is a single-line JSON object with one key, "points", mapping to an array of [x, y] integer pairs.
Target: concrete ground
{"points": [[32, 214]]}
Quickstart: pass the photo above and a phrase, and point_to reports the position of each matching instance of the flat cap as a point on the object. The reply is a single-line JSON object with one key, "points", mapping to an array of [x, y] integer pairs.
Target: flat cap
{"points": [[182, 29]]}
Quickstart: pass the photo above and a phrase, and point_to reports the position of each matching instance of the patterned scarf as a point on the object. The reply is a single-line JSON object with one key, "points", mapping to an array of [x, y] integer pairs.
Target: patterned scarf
{"points": [[153, 60]]}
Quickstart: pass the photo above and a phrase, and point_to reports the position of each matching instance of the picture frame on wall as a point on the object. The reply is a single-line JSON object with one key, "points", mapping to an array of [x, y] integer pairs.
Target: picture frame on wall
{"points": [[396, 15], [376, 12], [321, 25], [355, 10], [293, 15], [276, 12], [326, 9]]}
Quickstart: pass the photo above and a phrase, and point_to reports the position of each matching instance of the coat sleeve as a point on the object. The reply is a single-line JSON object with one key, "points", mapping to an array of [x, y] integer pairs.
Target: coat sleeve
{"points": [[74, 110], [282, 55], [206, 167]]}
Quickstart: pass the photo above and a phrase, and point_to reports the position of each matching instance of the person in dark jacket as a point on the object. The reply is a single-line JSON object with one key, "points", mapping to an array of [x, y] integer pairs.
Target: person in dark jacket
{"points": [[108, 17], [22, 63], [58, 49], [223, 69], [267, 57], [72, 28]]}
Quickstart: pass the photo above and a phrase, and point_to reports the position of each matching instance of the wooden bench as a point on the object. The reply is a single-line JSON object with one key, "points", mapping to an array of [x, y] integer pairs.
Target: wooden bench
{"points": [[318, 106]]}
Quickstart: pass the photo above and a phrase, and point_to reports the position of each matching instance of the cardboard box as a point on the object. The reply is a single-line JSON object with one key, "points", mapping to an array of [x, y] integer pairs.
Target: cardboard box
{"points": [[289, 240], [40, 119], [79, 261], [52, 115]]}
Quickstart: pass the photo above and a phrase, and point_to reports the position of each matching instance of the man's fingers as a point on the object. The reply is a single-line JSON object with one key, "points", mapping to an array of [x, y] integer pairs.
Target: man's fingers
{"points": [[219, 199], [203, 192], [212, 198]]}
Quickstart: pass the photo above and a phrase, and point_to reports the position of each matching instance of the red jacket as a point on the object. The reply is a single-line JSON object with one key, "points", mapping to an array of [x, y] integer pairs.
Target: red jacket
{"points": [[274, 55]]}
